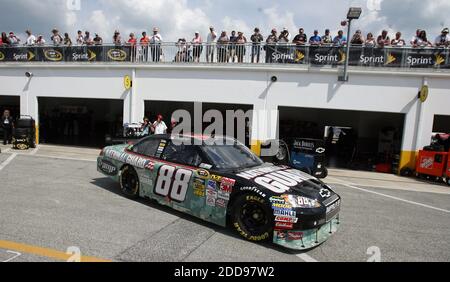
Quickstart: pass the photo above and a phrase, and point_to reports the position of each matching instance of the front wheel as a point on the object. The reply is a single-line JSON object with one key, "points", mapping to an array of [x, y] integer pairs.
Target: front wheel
{"points": [[129, 182], [252, 218]]}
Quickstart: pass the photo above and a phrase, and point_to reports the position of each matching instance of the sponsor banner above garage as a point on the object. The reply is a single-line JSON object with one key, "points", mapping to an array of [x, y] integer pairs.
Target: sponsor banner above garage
{"points": [[66, 54], [279, 54]]}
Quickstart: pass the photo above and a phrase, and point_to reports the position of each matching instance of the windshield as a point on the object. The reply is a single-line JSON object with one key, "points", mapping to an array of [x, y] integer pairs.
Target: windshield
{"points": [[231, 156]]}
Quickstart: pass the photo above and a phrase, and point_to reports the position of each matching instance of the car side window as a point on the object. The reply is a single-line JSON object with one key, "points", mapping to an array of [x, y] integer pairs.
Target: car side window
{"points": [[147, 148], [182, 154]]}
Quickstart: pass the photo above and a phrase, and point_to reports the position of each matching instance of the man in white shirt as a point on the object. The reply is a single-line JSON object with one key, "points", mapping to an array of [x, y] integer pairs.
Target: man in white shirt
{"points": [[443, 40], [31, 40], [155, 45], [80, 38], [212, 38], [159, 127]]}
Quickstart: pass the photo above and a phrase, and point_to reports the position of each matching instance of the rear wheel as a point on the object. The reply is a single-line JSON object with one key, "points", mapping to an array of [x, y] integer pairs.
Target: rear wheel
{"points": [[252, 218], [448, 180], [129, 182]]}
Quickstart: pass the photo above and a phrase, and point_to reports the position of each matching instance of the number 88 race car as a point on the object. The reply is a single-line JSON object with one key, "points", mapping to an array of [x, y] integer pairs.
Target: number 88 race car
{"points": [[221, 181]]}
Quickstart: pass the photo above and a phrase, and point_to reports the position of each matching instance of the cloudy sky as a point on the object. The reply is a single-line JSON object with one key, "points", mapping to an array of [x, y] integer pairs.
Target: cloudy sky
{"points": [[180, 18]]}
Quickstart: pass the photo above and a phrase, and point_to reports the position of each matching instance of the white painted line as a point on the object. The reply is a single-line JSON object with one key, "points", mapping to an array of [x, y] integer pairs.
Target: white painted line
{"points": [[35, 150], [8, 160], [352, 186], [7, 150], [306, 258], [16, 255], [63, 158]]}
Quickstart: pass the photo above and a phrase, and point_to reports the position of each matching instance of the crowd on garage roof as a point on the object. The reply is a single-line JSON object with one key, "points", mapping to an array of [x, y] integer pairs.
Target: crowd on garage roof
{"points": [[232, 45]]}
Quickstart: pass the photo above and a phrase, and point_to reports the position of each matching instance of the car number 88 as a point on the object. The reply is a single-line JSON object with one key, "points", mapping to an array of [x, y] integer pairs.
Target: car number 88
{"points": [[173, 183]]}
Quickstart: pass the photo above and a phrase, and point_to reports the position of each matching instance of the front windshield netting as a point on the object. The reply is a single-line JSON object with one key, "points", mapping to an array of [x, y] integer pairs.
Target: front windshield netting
{"points": [[231, 156]]}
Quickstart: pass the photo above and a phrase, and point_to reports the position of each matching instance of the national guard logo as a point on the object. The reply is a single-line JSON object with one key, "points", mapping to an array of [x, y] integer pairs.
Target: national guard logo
{"points": [[117, 55]]}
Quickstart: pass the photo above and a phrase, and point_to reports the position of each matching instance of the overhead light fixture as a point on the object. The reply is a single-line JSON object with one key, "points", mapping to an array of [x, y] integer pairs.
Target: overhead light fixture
{"points": [[354, 13]]}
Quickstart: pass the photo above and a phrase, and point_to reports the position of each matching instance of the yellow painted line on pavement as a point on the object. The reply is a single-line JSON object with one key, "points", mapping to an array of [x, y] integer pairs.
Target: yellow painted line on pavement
{"points": [[44, 252]]}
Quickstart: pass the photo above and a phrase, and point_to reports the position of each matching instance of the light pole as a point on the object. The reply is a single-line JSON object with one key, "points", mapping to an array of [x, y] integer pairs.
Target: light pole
{"points": [[353, 14]]}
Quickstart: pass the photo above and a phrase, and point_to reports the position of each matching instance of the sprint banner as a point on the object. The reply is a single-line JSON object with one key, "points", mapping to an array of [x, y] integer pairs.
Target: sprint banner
{"points": [[327, 56]]}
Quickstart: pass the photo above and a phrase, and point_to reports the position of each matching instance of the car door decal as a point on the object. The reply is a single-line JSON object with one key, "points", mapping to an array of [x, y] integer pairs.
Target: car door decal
{"points": [[173, 183]]}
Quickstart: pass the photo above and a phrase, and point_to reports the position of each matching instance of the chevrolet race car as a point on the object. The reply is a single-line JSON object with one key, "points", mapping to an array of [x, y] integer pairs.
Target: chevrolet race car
{"points": [[221, 181]]}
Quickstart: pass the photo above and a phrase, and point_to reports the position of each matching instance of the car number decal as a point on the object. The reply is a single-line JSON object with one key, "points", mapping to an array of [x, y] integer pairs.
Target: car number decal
{"points": [[173, 183]]}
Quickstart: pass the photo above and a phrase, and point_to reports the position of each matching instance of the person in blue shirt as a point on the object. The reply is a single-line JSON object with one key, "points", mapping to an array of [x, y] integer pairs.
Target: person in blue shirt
{"points": [[340, 39], [315, 39]]}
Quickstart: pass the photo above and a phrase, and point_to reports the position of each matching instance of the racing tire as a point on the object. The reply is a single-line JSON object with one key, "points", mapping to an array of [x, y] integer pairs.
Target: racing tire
{"points": [[252, 218], [447, 180], [324, 174], [129, 182]]}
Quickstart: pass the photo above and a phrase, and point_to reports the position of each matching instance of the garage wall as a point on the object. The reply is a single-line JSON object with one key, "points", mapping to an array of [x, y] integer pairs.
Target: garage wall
{"points": [[386, 91]]}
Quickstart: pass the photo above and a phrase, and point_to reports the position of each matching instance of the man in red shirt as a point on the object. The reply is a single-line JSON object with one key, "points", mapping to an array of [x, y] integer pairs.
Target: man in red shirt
{"points": [[144, 46], [132, 41]]}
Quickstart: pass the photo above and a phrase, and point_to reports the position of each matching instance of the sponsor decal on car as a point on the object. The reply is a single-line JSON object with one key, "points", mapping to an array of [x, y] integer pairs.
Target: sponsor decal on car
{"points": [[228, 182], [210, 201], [107, 167], [286, 219], [146, 180], [284, 212], [124, 157], [333, 206], [294, 236], [199, 187], [325, 193], [221, 203], [150, 166], [281, 235], [202, 173], [255, 198], [212, 185], [223, 195], [255, 190], [212, 193], [284, 225], [216, 178], [281, 206]]}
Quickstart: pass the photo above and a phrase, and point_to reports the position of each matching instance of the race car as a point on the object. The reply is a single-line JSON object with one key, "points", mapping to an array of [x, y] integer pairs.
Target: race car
{"points": [[221, 181]]}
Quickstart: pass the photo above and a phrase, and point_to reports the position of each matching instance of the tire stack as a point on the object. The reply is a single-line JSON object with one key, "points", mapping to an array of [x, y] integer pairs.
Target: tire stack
{"points": [[24, 130]]}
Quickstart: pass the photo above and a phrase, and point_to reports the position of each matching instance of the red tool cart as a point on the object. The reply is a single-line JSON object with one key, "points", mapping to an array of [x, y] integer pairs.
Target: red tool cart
{"points": [[431, 163]]}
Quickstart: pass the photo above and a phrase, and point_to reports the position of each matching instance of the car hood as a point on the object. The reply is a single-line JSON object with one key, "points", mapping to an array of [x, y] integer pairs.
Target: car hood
{"points": [[281, 180]]}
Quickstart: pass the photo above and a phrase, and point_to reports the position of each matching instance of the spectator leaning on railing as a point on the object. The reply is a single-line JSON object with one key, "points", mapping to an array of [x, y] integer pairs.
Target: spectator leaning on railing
{"points": [[271, 45], [98, 40], [144, 41], [383, 39], [222, 47], [88, 40], [13, 39], [370, 40], [256, 39], [117, 39], [56, 38], [240, 46], [327, 39], [422, 40], [415, 38], [340, 39], [31, 39], [398, 41], [197, 42], [232, 46], [40, 41], [357, 38], [443, 40], [300, 38], [80, 38], [67, 40], [315, 40]]}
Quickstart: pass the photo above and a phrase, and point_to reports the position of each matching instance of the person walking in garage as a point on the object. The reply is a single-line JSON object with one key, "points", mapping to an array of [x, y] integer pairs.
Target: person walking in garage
{"points": [[7, 124]]}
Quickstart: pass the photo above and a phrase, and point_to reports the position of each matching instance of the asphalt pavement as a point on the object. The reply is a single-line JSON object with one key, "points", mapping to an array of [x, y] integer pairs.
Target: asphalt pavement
{"points": [[55, 206]]}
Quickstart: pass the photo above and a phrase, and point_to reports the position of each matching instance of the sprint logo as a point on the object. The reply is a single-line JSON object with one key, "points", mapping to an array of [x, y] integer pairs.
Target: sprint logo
{"points": [[299, 56], [390, 59], [439, 60]]}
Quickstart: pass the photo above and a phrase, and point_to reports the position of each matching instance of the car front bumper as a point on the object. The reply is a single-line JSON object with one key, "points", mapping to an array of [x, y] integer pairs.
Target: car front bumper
{"points": [[306, 239]]}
